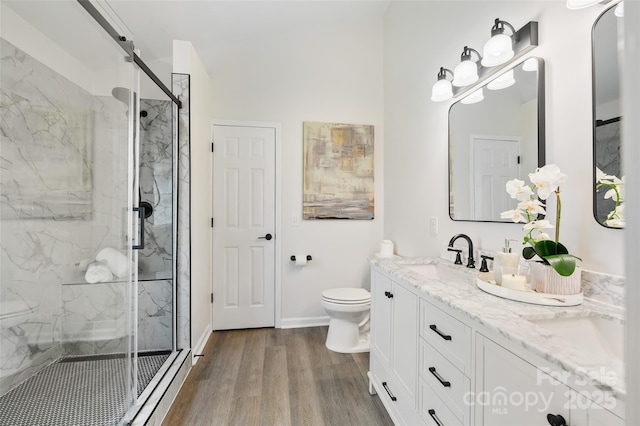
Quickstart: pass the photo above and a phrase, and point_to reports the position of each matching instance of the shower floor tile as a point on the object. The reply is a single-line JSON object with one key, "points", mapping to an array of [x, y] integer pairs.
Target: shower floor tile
{"points": [[82, 391]]}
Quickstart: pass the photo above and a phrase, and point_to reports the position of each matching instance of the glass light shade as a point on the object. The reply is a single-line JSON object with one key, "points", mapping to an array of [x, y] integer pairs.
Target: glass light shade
{"points": [[465, 73], [530, 64], [498, 50], [441, 91], [502, 82], [474, 98], [619, 10], [580, 4]]}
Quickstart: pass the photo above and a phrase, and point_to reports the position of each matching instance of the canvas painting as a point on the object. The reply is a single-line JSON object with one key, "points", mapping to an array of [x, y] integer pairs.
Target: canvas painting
{"points": [[338, 171]]}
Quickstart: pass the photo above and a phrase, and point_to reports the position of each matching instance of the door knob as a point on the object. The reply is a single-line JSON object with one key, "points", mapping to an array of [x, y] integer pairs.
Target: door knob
{"points": [[266, 237]]}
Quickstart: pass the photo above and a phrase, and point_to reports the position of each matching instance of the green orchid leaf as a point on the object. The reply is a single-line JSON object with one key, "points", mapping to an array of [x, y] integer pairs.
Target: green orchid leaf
{"points": [[564, 264], [528, 253], [562, 249], [546, 248]]}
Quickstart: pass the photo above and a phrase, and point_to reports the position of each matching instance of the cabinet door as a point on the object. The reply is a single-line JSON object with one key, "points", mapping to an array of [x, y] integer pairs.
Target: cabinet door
{"points": [[381, 316], [405, 337], [510, 391], [585, 412]]}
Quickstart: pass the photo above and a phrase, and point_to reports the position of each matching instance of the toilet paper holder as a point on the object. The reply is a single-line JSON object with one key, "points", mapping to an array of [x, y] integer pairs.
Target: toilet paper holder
{"points": [[293, 258]]}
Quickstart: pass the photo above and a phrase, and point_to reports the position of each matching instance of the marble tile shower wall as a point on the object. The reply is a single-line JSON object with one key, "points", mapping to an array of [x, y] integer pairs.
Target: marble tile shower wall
{"points": [[156, 186], [63, 191]]}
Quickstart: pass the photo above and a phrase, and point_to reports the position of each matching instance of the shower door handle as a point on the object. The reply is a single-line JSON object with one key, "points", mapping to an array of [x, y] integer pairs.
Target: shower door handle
{"points": [[141, 212]]}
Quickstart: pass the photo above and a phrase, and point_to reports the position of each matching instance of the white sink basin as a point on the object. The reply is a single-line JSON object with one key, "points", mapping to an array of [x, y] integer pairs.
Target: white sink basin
{"points": [[439, 272], [596, 335]]}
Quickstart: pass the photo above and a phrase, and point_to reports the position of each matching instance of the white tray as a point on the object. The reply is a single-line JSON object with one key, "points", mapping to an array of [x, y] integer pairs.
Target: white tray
{"points": [[485, 283]]}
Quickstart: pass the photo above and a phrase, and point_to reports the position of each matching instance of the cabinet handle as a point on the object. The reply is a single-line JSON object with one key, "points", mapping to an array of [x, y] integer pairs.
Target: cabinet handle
{"points": [[384, 385], [556, 420], [435, 418], [433, 371], [440, 333], [388, 294]]}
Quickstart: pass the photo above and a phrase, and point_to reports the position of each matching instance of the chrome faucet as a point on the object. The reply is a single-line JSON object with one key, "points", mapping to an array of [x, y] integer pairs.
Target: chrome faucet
{"points": [[470, 261]]}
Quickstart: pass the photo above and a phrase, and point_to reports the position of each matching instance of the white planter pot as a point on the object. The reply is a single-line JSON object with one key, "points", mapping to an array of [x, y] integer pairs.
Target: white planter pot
{"points": [[545, 279]]}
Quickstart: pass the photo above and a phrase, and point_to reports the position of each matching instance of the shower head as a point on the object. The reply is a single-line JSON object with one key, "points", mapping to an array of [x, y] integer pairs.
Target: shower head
{"points": [[122, 94]]}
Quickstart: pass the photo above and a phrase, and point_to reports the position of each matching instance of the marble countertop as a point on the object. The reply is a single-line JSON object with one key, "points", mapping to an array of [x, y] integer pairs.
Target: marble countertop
{"points": [[457, 289]]}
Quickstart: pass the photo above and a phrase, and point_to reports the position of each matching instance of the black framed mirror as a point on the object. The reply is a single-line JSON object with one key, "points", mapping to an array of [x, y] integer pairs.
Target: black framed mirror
{"points": [[608, 197], [495, 139]]}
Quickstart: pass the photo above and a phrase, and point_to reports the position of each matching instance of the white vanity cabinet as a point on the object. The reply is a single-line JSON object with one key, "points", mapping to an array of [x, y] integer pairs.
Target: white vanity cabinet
{"points": [[509, 390], [587, 413], [394, 347], [432, 364], [444, 367]]}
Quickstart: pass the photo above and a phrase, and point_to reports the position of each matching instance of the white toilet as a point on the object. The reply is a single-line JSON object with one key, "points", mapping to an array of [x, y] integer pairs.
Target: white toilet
{"points": [[14, 312], [348, 310]]}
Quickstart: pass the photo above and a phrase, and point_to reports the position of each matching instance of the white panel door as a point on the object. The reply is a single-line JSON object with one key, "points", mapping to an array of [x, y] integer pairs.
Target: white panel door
{"points": [[244, 214], [495, 161]]}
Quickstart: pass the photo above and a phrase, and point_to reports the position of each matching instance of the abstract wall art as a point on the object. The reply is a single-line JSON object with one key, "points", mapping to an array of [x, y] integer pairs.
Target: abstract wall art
{"points": [[338, 171]]}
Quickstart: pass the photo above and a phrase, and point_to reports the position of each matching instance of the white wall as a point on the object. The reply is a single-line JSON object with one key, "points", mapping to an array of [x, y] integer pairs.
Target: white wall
{"points": [[326, 75], [186, 61], [419, 38]]}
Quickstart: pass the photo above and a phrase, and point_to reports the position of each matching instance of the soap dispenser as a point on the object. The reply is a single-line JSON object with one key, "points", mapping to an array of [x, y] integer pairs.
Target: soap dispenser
{"points": [[505, 261]]}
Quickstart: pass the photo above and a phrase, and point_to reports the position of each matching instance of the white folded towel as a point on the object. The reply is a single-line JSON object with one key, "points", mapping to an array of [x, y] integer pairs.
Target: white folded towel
{"points": [[98, 272], [116, 261]]}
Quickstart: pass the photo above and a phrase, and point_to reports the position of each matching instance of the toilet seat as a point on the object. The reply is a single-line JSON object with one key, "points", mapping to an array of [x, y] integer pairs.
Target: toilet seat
{"points": [[346, 296]]}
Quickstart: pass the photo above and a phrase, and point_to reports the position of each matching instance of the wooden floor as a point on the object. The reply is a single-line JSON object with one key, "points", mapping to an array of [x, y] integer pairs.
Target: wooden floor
{"points": [[276, 377]]}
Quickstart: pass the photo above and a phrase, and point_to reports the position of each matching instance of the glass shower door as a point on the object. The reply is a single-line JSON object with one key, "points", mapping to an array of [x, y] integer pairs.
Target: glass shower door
{"points": [[68, 274]]}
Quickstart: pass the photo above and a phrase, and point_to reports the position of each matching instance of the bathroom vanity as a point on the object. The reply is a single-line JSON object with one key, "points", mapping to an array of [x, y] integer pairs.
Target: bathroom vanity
{"points": [[445, 353]]}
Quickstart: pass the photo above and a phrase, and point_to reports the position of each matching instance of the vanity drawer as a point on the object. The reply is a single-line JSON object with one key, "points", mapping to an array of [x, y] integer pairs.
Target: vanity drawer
{"points": [[445, 379], [434, 411], [451, 337], [400, 406]]}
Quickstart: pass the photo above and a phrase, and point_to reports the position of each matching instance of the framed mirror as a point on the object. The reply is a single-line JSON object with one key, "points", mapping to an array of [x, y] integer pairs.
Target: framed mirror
{"points": [[496, 134], [608, 204]]}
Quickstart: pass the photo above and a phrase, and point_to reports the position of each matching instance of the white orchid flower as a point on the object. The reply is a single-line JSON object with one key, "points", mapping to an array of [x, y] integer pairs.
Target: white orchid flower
{"points": [[532, 207], [518, 190], [541, 237], [515, 215], [602, 177], [537, 224], [616, 223], [547, 179]]}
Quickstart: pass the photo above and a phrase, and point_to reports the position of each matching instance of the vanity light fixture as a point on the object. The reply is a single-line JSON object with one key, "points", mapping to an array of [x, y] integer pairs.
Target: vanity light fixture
{"points": [[464, 79], [466, 72], [442, 90], [499, 48], [581, 4], [530, 64], [502, 82], [474, 97]]}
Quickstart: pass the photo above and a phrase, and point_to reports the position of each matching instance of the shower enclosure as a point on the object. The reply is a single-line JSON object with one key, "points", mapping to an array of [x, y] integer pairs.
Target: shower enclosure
{"points": [[87, 220]]}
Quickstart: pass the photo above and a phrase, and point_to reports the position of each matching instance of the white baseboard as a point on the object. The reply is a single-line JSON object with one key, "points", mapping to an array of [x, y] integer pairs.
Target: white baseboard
{"points": [[202, 341], [304, 322]]}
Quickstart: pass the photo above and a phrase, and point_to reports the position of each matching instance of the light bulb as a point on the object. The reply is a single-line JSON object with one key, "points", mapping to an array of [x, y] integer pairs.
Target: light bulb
{"points": [[441, 90], [502, 82], [497, 50], [530, 64], [473, 98], [619, 10], [580, 4], [465, 73]]}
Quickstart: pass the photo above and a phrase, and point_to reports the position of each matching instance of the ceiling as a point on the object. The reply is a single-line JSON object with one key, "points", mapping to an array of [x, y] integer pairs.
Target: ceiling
{"points": [[212, 24]]}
